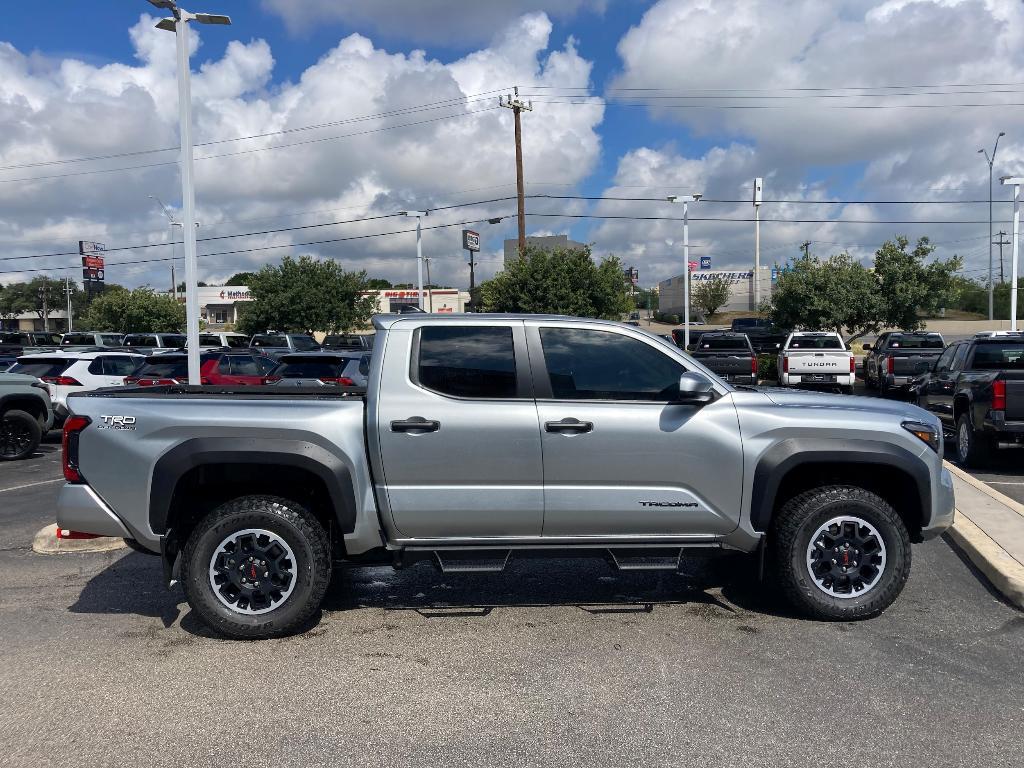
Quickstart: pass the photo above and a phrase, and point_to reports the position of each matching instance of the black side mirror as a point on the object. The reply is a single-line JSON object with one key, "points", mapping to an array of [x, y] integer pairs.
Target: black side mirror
{"points": [[695, 387], [866, 347]]}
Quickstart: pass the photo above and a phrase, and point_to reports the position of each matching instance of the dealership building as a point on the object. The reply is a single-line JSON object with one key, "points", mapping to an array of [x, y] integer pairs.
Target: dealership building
{"points": [[741, 289]]}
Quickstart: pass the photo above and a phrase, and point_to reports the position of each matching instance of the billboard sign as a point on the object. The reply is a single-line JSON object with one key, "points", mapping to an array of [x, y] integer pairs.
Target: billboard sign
{"points": [[92, 262], [705, 262], [470, 240]]}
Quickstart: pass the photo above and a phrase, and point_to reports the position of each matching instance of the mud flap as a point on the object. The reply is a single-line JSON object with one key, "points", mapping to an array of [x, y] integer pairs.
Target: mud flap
{"points": [[170, 556]]}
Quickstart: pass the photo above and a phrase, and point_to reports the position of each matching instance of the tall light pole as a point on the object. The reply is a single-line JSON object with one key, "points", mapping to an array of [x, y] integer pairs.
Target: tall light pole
{"points": [[758, 184], [178, 24], [1016, 181], [419, 250], [685, 200], [170, 218], [990, 160]]}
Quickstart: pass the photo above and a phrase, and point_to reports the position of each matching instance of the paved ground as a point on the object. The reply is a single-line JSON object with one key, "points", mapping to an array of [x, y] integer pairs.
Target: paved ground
{"points": [[551, 663]]}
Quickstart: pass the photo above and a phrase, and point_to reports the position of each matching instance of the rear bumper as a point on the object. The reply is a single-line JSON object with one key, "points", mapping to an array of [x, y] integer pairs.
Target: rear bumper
{"points": [[943, 505], [898, 382], [797, 380], [80, 509]]}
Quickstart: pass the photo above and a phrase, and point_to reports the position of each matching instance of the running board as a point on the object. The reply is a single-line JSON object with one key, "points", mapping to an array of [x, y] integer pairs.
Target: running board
{"points": [[646, 558], [472, 561]]}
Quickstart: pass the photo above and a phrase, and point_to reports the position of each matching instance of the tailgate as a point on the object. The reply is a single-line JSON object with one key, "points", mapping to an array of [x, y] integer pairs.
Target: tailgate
{"points": [[725, 364], [1014, 399], [807, 362], [912, 365]]}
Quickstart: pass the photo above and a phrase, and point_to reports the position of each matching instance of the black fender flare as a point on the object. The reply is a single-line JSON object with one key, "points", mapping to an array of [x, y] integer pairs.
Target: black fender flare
{"points": [[332, 469], [775, 463]]}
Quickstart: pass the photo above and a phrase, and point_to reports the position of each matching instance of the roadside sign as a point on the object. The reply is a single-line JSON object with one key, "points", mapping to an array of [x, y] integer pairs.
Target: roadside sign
{"points": [[470, 240], [93, 268], [705, 262]]}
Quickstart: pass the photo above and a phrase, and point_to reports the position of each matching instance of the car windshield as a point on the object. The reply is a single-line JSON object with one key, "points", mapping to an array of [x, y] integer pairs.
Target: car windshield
{"points": [[164, 368], [77, 339], [269, 341], [916, 342], [311, 367], [750, 322], [110, 340], [721, 343], [174, 340], [1001, 356], [238, 341], [816, 342], [304, 343], [209, 340], [39, 367]]}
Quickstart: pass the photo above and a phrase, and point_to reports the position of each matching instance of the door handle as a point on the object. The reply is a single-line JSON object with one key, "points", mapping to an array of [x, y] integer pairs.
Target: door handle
{"points": [[415, 424], [571, 426]]}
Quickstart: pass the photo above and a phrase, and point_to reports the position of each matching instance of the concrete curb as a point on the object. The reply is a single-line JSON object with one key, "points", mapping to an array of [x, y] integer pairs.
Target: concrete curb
{"points": [[999, 567], [46, 543]]}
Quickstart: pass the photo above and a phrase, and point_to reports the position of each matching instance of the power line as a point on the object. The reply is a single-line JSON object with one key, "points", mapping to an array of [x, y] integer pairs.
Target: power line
{"points": [[780, 202], [778, 221], [806, 88]]}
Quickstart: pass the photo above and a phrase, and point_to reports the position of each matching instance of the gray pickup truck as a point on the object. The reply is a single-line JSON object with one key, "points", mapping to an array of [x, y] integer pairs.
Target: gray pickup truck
{"points": [[482, 437]]}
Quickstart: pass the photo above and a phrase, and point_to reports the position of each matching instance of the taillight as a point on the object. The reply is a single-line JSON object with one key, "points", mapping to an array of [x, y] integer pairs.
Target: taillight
{"points": [[890, 365], [270, 380], [853, 364], [62, 381], [999, 395], [204, 380], [753, 366], [131, 379], [342, 381], [785, 364], [73, 427]]}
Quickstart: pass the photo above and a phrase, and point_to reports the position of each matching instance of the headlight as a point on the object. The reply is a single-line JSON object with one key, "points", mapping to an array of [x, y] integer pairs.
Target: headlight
{"points": [[926, 433]]}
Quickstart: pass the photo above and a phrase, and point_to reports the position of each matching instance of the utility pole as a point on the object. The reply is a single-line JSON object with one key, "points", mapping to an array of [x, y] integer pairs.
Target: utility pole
{"points": [[806, 248], [419, 251], [758, 183], [430, 294], [46, 315], [1001, 242], [990, 161], [67, 292], [518, 106]]}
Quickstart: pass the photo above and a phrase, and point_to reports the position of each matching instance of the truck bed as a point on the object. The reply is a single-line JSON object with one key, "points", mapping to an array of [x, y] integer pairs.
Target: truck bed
{"points": [[241, 392]]}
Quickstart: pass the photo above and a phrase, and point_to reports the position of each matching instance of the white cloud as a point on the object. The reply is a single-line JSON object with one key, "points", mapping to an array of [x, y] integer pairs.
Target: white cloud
{"points": [[61, 109]]}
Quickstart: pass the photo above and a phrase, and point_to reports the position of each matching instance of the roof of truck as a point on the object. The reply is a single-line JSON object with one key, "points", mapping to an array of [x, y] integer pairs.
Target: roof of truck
{"points": [[385, 321]]}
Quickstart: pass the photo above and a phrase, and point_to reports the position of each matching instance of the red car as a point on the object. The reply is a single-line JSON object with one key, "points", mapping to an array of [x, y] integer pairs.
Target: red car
{"points": [[222, 368]]}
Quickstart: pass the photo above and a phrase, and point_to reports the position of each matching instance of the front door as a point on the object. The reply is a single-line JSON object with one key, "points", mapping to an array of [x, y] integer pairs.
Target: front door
{"points": [[941, 384], [457, 431], [620, 458]]}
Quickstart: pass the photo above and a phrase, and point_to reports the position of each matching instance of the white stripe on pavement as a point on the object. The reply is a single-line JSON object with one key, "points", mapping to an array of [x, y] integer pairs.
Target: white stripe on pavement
{"points": [[1003, 482], [32, 485]]}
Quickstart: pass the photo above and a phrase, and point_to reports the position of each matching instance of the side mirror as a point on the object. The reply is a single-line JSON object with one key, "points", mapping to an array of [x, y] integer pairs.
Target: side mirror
{"points": [[695, 387], [866, 347]]}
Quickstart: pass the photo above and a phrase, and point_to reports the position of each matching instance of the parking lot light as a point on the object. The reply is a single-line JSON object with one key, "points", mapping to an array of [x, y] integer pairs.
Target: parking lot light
{"points": [[1016, 181], [419, 250], [685, 200]]}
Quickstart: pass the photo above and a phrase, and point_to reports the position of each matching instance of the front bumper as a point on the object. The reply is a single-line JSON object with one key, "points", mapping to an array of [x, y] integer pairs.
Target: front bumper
{"points": [[943, 506], [80, 509]]}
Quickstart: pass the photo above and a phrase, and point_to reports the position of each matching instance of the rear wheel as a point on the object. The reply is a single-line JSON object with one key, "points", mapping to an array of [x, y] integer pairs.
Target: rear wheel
{"points": [[840, 553], [973, 449], [20, 434], [257, 567]]}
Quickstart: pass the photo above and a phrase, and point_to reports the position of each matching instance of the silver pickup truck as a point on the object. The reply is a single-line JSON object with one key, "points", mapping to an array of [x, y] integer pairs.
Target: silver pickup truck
{"points": [[480, 437]]}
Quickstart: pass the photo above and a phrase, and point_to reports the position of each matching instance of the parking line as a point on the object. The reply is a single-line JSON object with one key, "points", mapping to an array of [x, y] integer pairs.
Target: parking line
{"points": [[32, 485], [1003, 482]]}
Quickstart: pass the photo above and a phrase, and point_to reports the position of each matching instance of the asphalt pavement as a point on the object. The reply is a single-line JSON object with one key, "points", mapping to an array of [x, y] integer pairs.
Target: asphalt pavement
{"points": [[554, 662]]}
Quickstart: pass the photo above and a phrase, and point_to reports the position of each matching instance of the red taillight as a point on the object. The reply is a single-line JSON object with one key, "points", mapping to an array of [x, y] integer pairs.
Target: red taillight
{"points": [[785, 364], [753, 366], [62, 381], [69, 447], [204, 380], [890, 365], [131, 379], [998, 395], [853, 364], [341, 381], [270, 380]]}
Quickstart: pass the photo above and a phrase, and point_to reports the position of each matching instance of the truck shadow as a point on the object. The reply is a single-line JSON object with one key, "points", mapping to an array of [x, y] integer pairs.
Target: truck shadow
{"points": [[725, 586]]}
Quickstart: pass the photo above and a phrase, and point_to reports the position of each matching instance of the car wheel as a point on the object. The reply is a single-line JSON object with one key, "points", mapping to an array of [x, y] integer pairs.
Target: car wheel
{"points": [[973, 449], [848, 390], [869, 383], [840, 553], [257, 567], [20, 434]]}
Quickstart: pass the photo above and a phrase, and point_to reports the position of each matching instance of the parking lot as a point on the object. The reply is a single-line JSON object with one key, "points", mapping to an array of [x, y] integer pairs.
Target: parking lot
{"points": [[550, 663]]}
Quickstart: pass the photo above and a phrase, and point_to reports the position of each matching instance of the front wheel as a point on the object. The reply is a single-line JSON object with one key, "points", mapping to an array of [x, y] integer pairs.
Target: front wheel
{"points": [[840, 553], [257, 567], [20, 434]]}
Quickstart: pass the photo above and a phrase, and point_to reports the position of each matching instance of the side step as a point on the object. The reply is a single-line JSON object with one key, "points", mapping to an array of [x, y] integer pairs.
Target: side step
{"points": [[646, 558], [473, 560]]}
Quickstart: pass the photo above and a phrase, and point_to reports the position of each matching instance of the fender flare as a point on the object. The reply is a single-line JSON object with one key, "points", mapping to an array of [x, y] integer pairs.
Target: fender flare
{"points": [[333, 470], [775, 463]]}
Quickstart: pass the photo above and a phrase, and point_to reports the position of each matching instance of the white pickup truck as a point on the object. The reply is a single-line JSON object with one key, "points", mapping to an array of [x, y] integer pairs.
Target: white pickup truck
{"points": [[817, 360]]}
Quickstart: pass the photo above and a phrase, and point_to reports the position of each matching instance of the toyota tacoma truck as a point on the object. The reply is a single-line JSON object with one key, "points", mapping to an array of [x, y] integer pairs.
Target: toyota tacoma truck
{"points": [[480, 438], [898, 358], [817, 360]]}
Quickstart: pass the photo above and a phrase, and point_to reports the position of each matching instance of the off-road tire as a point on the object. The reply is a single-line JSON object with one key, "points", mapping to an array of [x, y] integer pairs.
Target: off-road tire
{"points": [[29, 433], [797, 522], [869, 383], [978, 451], [289, 521]]}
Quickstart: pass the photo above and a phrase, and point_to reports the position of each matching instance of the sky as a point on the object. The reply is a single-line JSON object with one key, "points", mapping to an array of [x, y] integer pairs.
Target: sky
{"points": [[316, 121]]}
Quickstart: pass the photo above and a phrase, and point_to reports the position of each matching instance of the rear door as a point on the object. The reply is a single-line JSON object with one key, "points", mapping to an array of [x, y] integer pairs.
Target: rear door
{"points": [[620, 458], [457, 431]]}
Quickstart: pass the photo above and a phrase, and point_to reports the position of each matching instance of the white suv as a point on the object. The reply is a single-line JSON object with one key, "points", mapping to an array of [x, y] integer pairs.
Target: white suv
{"points": [[67, 372]]}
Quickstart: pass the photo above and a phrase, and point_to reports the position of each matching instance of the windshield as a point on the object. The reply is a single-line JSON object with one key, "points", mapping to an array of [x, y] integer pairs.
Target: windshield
{"points": [[1008, 355], [238, 341], [40, 367], [77, 339], [721, 343], [304, 343], [269, 341], [311, 368], [916, 342], [209, 340], [816, 342], [750, 322]]}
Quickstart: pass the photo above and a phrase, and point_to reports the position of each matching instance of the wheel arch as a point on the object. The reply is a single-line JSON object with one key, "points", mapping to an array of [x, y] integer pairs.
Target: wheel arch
{"points": [[24, 402], [796, 465]]}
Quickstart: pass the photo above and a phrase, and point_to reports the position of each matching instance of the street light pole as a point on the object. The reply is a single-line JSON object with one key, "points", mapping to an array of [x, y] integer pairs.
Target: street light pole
{"points": [[170, 218], [1016, 181], [990, 161], [758, 184], [685, 200], [179, 25], [419, 250]]}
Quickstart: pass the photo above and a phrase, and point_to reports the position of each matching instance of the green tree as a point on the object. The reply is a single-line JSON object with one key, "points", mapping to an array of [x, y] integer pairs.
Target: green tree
{"points": [[910, 289], [18, 298], [181, 288], [378, 284], [134, 311], [240, 278], [305, 294], [563, 281], [709, 295]]}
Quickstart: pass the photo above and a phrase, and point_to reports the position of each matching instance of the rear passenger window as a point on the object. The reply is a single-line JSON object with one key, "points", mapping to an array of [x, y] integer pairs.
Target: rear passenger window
{"points": [[467, 361], [120, 366], [244, 365]]}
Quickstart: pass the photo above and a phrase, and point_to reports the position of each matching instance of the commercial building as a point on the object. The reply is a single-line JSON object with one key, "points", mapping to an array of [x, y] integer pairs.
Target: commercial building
{"points": [[741, 289], [544, 242]]}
